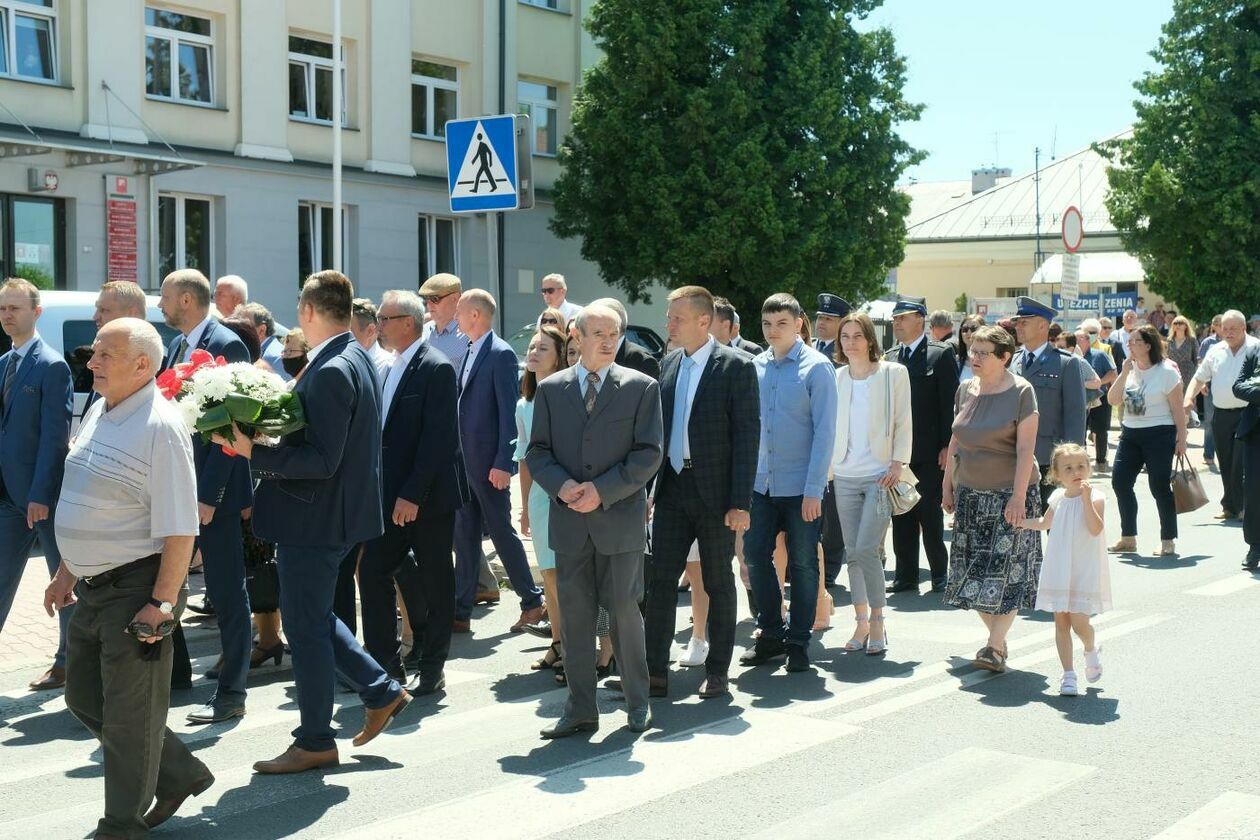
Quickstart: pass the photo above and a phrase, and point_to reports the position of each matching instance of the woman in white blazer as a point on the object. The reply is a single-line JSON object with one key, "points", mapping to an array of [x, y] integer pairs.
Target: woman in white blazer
{"points": [[873, 436]]}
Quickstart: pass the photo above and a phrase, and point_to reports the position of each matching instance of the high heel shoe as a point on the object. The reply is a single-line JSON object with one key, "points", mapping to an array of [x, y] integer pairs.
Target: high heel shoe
{"points": [[553, 651], [602, 671], [859, 642], [874, 648], [260, 655]]}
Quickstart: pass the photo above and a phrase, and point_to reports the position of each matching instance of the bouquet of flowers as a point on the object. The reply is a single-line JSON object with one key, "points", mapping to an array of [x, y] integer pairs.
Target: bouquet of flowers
{"points": [[213, 394]]}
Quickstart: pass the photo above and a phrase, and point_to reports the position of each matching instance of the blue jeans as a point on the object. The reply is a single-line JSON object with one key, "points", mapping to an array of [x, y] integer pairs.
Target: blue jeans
{"points": [[16, 543], [770, 515], [321, 645]]}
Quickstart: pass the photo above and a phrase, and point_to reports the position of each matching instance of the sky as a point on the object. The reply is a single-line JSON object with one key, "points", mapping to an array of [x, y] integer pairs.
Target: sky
{"points": [[1019, 73]]}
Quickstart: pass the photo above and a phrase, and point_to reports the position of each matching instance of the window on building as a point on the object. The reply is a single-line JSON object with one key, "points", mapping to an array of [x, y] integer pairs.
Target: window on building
{"points": [[543, 4], [538, 101], [1012, 291], [177, 56], [315, 238], [311, 80], [434, 97], [185, 234], [28, 46], [439, 247], [32, 240]]}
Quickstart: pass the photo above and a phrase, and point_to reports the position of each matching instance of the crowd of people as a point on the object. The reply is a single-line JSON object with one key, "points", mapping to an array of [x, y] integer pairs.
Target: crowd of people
{"points": [[720, 462]]}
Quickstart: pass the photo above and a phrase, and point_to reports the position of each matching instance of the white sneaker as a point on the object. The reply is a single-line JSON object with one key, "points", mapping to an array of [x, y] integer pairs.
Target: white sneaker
{"points": [[1067, 685], [696, 653], [1093, 665]]}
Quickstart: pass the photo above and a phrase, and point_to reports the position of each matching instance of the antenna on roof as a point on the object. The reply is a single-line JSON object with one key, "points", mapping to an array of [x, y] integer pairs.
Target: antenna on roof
{"points": [[997, 147], [1054, 142]]}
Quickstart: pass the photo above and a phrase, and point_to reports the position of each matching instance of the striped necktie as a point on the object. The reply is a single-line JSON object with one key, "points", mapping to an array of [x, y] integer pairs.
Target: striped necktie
{"points": [[10, 374]]}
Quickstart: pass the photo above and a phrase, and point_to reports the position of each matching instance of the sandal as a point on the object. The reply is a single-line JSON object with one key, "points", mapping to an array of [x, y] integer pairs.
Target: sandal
{"points": [[990, 659], [859, 640], [553, 651], [873, 647]]}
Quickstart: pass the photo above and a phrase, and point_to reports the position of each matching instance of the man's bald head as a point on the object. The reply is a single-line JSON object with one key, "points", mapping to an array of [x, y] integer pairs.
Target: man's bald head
{"points": [[126, 356]]}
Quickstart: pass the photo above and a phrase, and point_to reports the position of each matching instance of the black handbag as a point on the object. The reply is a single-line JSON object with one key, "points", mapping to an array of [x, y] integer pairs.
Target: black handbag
{"points": [[262, 578]]}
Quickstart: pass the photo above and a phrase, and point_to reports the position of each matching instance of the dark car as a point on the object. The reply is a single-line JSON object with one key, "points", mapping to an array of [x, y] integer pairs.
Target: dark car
{"points": [[645, 337]]}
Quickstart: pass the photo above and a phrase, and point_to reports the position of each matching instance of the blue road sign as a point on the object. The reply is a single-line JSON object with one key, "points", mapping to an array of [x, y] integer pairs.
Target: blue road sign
{"points": [[481, 164]]}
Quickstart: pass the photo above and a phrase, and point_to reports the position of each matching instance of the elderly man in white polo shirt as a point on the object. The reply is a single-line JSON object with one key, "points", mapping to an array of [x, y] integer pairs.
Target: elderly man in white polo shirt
{"points": [[126, 522], [1220, 367], [555, 293]]}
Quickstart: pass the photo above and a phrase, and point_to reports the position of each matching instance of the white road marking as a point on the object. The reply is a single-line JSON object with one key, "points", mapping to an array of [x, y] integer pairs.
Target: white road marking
{"points": [[1226, 586], [1230, 816]]}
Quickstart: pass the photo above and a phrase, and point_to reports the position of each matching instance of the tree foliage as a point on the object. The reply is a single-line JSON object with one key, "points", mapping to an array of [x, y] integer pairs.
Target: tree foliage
{"points": [[1185, 190], [749, 147]]}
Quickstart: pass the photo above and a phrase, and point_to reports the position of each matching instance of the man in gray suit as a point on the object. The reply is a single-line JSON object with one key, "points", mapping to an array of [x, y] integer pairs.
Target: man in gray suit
{"points": [[597, 440], [1058, 380]]}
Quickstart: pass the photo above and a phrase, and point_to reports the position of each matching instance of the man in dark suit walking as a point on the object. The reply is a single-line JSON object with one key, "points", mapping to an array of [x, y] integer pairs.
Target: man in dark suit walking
{"points": [[831, 311], [319, 494], [712, 423], [422, 490], [629, 354], [933, 373], [224, 489], [596, 442], [36, 403], [488, 390], [1247, 388]]}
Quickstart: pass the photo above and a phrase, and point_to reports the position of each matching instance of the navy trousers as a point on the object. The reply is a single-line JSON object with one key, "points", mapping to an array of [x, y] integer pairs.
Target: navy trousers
{"points": [[223, 564], [320, 644], [494, 507], [16, 543]]}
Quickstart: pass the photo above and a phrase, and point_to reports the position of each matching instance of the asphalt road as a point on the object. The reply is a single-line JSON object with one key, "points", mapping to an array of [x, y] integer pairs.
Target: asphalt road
{"points": [[915, 744]]}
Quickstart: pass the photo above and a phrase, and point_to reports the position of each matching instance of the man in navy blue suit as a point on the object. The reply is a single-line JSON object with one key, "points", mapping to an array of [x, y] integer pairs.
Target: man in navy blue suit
{"points": [[320, 494], [422, 481], [36, 403], [224, 489], [489, 387]]}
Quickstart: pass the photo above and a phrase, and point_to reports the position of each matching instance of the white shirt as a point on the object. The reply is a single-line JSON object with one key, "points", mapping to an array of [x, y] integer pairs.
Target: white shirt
{"points": [[394, 376], [568, 309], [474, 347], [582, 373], [1223, 366], [859, 461], [701, 360], [313, 353], [914, 345], [25, 347], [380, 357], [129, 484], [1151, 388], [194, 338]]}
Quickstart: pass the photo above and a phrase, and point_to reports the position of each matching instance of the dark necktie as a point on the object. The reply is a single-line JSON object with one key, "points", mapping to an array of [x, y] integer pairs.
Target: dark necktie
{"points": [[464, 366], [9, 373], [904, 355], [592, 392], [180, 350]]}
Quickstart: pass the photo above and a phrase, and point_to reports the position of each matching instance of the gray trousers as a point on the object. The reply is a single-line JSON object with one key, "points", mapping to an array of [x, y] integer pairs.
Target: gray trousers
{"points": [[863, 526], [123, 700], [586, 581]]}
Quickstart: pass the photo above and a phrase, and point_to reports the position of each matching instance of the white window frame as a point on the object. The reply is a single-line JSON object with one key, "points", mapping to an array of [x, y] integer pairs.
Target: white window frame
{"points": [[10, 9], [429, 83], [531, 104], [552, 5], [181, 233], [310, 62], [318, 233], [430, 221], [174, 38]]}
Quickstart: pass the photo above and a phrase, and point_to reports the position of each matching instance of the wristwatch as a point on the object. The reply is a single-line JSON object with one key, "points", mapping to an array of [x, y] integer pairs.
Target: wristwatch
{"points": [[163, 606]]}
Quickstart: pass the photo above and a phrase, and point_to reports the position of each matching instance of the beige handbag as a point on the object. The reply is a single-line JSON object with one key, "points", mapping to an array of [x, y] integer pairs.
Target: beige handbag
{"points": [[1188, 493], [903, 495]]}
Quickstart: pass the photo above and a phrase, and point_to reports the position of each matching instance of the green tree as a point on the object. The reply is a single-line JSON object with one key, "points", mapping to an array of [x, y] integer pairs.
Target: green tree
{"points": [[1185, 187], [748, 147]]}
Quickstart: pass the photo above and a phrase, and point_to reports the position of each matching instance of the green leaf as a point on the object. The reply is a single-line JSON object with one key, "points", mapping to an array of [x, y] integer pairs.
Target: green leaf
{"points": [[215, 419], [242, 408]]}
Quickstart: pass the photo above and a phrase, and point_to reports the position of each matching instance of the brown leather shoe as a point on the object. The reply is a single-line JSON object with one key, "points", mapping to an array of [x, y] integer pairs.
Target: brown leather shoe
{"points": [[528, 617], [164, 809], [461, 626], [714, 685], [377, 719], [298, 760], [486, 596], [657, 686], [54, 677]]}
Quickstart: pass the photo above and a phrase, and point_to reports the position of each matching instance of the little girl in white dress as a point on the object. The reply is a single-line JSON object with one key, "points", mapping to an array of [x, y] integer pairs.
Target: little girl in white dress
{"points": [[1074, 582]]}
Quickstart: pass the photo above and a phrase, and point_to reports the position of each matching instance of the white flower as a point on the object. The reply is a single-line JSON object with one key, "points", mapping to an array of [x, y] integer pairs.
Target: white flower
{"points": [[212, 384], [191, 411]]}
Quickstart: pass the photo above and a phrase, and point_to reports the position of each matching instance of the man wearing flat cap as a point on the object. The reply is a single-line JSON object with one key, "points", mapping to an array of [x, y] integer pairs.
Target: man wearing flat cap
{"points": [[933, 383], [831, 311], [1057, 379]]}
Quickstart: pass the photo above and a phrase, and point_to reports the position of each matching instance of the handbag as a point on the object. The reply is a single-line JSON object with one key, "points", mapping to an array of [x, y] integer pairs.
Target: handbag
{"points": [[903, 495], [1188, 494]]}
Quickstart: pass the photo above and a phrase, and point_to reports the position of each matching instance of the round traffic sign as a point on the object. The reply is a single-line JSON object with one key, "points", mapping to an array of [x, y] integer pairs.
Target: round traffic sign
{"points": [[1073, 229]]}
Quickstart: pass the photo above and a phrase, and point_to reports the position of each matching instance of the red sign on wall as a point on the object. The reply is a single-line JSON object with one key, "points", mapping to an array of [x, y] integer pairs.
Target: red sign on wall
{"points": [[120, 230]]}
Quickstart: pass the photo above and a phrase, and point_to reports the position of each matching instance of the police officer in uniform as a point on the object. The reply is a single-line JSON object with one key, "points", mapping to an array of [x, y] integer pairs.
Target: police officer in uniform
{"points": [[831, 309], [933, 373], [1058, 380]]}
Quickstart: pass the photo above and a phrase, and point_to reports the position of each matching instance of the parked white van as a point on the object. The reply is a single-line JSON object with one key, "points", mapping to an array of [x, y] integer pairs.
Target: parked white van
{"points": [[67, 325]]}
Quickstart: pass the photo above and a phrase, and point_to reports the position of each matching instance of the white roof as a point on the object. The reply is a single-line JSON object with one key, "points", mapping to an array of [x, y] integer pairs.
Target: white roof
{"points": [[1009, 210], [1101, 267]]}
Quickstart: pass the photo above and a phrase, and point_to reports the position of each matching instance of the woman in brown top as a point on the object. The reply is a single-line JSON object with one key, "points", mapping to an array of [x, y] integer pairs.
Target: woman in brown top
{"points": [[991, 486]]}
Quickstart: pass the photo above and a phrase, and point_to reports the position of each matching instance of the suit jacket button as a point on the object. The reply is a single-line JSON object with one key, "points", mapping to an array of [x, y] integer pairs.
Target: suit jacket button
{"points": [[588, 466]]}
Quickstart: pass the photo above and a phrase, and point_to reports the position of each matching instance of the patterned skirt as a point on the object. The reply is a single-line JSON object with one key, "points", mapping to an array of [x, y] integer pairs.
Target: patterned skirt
{"points": [[993, 568]]}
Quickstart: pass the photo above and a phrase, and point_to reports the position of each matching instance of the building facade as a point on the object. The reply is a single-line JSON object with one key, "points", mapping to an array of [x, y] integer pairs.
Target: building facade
{"points": [[140, 136]]}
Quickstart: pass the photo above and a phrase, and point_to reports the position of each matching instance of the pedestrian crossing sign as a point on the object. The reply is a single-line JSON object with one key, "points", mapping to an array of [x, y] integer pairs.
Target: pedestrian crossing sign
{"points": [[481, 164]]}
